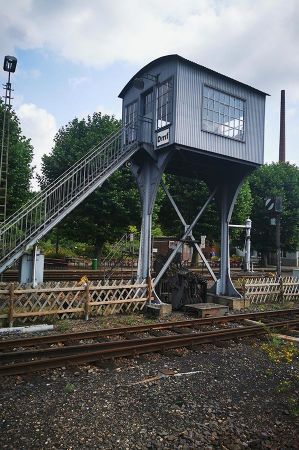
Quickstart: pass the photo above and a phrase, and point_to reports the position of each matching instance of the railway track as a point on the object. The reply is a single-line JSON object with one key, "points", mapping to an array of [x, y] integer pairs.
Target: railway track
{"points": [[73, 274], [43, 354], [99, 274]]}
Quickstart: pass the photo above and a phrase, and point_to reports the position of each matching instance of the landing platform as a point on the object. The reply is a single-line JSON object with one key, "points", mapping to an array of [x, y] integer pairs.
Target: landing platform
{"points": [[207, 309]]}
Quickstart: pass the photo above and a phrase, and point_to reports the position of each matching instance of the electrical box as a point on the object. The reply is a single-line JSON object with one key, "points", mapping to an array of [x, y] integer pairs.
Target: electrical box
{"points": [[27, 273]]}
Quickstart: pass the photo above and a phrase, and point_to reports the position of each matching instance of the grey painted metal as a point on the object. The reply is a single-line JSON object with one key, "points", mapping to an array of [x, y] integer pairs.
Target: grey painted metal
{"points": [[31, 269], [164, 70], [168, 60], [205, 261], [188, 132], [247, 245], [185, 235], [148, 173], [50, 206], [185, 129], [226, 197]]}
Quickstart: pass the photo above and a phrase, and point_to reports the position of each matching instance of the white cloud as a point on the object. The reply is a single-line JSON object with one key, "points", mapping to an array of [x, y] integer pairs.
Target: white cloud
{"points": [[76, 81], [254, 40], [40, 126]]}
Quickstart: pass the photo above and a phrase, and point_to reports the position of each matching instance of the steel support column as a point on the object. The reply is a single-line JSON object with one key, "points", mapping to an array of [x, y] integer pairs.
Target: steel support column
{"points": [[148, 172], [226, 198]]}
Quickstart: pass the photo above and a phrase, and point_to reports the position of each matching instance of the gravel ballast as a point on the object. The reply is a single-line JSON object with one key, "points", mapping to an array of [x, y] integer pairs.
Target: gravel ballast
{"points": [[226, 397]]}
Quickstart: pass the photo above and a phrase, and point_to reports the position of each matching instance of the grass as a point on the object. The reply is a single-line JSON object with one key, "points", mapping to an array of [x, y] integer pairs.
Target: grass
{"points": [[279, 351], [69, 388], [63, 325]]}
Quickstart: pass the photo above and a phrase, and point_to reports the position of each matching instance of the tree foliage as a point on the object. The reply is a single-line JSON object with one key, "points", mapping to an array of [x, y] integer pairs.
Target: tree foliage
{"points": [[108, 212], [19, 163], [273, 180], [190, 194]]}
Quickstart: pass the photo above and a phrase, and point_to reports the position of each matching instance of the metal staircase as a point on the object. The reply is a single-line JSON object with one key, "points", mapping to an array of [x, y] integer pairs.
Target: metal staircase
{"points": [[28, 225], [126, 246]]}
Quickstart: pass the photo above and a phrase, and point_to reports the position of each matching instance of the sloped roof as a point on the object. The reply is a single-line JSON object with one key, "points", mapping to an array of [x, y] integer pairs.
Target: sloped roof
{"points": [[186, 61]]}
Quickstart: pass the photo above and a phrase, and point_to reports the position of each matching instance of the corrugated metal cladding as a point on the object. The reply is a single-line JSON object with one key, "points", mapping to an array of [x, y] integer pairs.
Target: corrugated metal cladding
{"points": [[188, 132], [165, 71]]}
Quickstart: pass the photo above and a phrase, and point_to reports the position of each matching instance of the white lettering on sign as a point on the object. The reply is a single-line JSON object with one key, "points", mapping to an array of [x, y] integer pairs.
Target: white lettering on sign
{"points": [[163, 137]]}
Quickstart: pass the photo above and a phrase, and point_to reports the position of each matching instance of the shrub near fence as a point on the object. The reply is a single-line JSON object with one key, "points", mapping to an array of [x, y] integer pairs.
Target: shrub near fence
{"points": [[271, 290], [70, 300]]}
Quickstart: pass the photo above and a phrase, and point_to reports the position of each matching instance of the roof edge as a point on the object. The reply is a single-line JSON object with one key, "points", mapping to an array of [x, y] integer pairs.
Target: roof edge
{"points": [[186, 61]]}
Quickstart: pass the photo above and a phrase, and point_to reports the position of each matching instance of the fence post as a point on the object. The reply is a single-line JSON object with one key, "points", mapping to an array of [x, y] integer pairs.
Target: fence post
{"points": [[149, 288], [11, 305], [86, 303], [281, 289]]}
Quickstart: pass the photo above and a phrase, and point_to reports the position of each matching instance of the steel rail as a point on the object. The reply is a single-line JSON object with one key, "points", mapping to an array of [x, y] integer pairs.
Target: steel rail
{"points": [[63, 337], [75, 349], [140, 346]]}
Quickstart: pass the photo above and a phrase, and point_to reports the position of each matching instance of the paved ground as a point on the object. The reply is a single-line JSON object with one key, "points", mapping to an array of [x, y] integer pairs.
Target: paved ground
{"points": [[228, 397]]}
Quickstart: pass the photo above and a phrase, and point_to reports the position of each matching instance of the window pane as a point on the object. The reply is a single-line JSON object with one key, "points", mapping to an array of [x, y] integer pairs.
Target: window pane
{"points": [[222, 113], [164, 104]]}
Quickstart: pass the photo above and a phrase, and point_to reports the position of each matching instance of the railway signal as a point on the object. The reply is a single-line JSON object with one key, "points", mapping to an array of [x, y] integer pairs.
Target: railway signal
{"points": [[274, 204]]}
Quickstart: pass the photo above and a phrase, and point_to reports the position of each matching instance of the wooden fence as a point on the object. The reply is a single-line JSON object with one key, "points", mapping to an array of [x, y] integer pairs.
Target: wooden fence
{"points": [[271, 290], [70, 300]]}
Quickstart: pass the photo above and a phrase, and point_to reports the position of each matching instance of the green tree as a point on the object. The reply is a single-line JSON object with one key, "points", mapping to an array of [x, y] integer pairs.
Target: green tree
{"points": [[273, 180], [190, 194], [109, 211], [19, 163]]}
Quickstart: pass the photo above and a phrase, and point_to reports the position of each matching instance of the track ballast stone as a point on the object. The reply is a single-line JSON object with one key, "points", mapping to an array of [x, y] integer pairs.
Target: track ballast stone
{"points": [[232, 402]]}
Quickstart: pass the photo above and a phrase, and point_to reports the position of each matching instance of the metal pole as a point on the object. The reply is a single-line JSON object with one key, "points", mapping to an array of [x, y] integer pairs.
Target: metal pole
{"points": [[34, 266], [247, 245], [278, 250]]}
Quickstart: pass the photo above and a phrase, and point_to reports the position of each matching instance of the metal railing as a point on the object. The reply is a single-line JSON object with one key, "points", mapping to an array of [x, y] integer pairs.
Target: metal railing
{"points": [[51, 205], [125, 247]]}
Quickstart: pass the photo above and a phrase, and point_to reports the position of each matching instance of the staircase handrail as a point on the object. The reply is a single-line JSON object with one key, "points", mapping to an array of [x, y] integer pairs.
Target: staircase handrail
{"points": [[30, 205]]}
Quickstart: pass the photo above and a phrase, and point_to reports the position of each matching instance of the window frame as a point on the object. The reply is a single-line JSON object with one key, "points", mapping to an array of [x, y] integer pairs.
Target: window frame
{"points": [[225, 112], [128, 106], [169, 111], [131, 134], [144, 104]]}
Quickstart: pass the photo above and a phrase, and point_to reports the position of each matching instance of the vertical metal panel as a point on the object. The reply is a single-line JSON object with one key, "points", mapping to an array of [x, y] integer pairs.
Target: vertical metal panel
{"points": [[188, 132], [165, 71]]}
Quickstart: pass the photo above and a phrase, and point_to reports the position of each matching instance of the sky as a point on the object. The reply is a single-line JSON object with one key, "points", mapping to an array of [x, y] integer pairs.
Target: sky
{"points": [[75, 56]]}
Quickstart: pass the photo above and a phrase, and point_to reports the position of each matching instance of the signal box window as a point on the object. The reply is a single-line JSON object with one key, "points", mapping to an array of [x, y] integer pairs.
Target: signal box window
{"points": [[131, 118], [223, 114], [164, 104], [148, 100]]}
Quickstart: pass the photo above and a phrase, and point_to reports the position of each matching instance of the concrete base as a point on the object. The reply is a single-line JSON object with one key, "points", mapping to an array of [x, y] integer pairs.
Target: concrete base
{"points": [[232, 302], [27, 329], [207, 309], [159, 309]]}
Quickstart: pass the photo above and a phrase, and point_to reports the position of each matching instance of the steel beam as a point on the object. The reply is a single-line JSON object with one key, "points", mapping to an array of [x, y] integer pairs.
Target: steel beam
{"points": [[191, 235], [187, 233]]}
